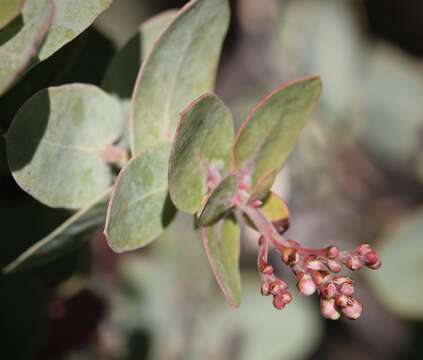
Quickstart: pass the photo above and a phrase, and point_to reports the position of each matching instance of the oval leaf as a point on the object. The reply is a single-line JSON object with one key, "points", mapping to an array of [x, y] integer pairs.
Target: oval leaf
{"points": [[201, 151], [76, 230], [123, 69], [140, 209], [396, 284], [222, 244], [10, 9], [270, 131], [57, 141], [218, 202], [20, 40], [71, 18], [180, 67]]}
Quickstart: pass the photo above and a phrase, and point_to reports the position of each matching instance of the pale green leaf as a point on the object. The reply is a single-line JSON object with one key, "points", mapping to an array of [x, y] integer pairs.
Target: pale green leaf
{"points": [[58, 141], [397, 284], [271, 130], [201, 151], [140, 208], [222, 244], [218, 202], [70, 19], [123, 69], [180, 67], [20, 39], [9, 10], [76, 230]]}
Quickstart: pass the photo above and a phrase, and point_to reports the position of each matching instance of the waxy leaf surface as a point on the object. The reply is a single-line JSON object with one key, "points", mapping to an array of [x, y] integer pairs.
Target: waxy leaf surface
{"points": [[201, 151], [123, 69], [9, 10], [222, 244], [180, 67], [140, 208], [76, 230], [71, 18], [21, 38], [219, 201], [271, 130], [57, 142]]}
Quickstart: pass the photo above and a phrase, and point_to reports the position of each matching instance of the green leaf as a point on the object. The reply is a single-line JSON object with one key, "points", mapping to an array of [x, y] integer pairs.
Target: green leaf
{"points": [[218, 202], [140, 208], [71, 18], [20, 39], [270, 131], [180, 67], [58, 141], [123, 69], [396, 283], [76, 230], [222, 244], [275, 210], [10, 9], [201, 151]]}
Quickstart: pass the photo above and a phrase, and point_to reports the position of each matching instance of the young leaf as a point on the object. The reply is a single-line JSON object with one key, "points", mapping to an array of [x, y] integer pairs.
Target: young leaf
{"points": [[140, 209], [222, 244], [123, 69], [180, 67], [76, 230], [218, 202], [57, 142], [71, 18], [397, 285], [10, 9], [201, 151], [20, 39], [275, 210], [270, 131]]}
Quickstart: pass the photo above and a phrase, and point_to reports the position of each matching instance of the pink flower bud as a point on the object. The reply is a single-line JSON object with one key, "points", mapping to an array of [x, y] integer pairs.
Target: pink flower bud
{"points": [[268, 270], [278, 302], [341, 300], [339, 280], [332, 252], [375, 266], [334, 266], [328, 290], [290, 256], [346, 288], [286, 297], [306, 285], [265, 289], [328, 310], [363, 249], [315, 264], [371, 258], [353, 263], [353, 311]]}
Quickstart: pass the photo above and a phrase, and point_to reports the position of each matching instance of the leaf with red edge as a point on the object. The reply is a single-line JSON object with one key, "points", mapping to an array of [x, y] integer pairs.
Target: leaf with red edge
{"points": [[222, 244]]}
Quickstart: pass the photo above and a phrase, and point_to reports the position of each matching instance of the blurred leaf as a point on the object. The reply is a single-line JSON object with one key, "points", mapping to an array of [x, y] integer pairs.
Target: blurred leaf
{"points": [[70, 19], [180, 67], [218, 201], [140, 208], [393, 108], [20, 39], [10, 9], [78, 229], [222, 244], [275, 210], [56, 144], [123, 69], [397, 283], [270, 131], [201, 150], [256, 330]]}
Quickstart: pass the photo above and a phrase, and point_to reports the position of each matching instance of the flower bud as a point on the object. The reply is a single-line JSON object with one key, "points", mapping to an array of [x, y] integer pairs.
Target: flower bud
{"points": [[334, 266], [353, 263], [341, 300], [363, 249], [328, 310], [375, 266], [314, 264], [339, 280], [371, 258], [290, 256], [278, 302], [353, 311], [346, 288], [268, 270], [332, 252], [286, 297], [328, 290], [306, 285], [265, 289]]}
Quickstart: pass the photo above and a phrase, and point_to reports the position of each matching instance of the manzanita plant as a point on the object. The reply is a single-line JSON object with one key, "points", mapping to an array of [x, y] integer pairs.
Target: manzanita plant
{"points": [[66, 142]]}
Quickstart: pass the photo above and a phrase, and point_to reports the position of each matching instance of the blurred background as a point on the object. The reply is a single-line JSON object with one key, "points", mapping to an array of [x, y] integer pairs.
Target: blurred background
{"points": [[356, 176]]}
